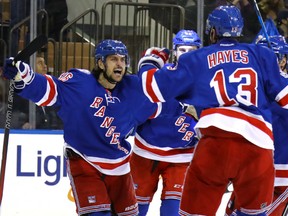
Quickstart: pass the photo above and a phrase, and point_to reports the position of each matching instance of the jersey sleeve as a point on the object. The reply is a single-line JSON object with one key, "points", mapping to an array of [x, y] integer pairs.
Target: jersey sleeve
{"points": [[44, 90], [160, 85], [276, 85]]}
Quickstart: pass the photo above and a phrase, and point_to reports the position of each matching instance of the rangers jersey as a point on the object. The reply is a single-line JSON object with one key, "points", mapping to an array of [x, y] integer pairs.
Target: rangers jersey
{"points": [[231, 85], [96, 121], [169, 138], [280, 123]]}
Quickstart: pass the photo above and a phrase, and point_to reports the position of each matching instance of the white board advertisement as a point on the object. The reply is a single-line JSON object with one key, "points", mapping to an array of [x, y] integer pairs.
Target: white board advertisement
{"points": [[36, 182]]}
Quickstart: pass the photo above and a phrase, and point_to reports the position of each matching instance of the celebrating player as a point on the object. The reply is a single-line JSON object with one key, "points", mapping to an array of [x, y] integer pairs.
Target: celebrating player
{"points": [[99, 110], [279, 124], [231, 85], [164, 146]]}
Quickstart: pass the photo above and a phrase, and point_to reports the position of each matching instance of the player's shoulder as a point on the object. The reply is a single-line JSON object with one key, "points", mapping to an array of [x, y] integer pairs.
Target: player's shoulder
{"points": [[130, 79], [130, 83], [75, 74], [258, 50], [80, 72]]}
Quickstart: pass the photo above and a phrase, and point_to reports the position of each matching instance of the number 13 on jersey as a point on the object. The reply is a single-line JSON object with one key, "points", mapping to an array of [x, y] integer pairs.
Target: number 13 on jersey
{"points": [[247, 88]]}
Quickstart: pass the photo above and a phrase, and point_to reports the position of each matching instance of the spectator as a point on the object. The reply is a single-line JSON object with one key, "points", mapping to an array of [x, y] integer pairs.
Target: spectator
{"points": [[270, 8], [282, 23]]}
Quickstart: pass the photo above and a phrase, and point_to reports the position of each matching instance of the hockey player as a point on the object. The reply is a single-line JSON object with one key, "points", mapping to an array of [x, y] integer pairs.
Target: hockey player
{"points": [[231, 85], [99, 109], [183, 42], [279, 123], [164, 145]]}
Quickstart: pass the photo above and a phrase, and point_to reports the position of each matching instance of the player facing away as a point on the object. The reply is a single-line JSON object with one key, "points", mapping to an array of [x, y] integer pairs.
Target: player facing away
{"points": [[164, 146], [279, 206], [231, 85], [99, 109]]}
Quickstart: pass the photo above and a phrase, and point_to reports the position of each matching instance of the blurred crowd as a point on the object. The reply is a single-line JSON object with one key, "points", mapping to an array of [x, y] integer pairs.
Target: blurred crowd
{"points": [[277, 10]]}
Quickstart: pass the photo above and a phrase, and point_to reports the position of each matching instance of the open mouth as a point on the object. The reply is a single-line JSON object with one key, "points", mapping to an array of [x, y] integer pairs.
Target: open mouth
{"points": [[118, 71]]}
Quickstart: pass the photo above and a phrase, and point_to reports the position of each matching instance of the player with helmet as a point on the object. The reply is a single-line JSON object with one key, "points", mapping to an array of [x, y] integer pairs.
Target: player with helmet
{"points": [[231, 85], [280, 48], [185, 41], [98, 112], [164, 146], [103, 50], [279, 124]]}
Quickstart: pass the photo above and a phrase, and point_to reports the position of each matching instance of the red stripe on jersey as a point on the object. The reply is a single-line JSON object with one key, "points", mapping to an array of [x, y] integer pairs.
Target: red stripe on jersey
{"points": [[253, 121], [109, 166], [281, 173], [284, 101], [163, 152], [149, 89], [154, 114], [51, 93]]}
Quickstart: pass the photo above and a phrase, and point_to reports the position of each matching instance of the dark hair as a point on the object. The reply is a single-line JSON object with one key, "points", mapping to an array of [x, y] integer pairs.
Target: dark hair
{"points": [[96, 71]]}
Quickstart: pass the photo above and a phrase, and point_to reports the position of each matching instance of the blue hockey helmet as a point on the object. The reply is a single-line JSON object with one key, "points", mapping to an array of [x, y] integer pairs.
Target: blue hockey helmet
{"points": [[110, 47], [278, 44], [186, 38], [227, 21], [279, 47]]}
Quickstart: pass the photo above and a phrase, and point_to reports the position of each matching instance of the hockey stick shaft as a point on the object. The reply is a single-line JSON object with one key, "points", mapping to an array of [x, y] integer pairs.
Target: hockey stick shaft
{"points": [[6, 136], [31, 48], [262, 23]]}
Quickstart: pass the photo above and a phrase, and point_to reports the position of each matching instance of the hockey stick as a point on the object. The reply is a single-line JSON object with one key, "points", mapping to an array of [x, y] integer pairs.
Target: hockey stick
{"points": [[31, 48], [262, 23]]}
